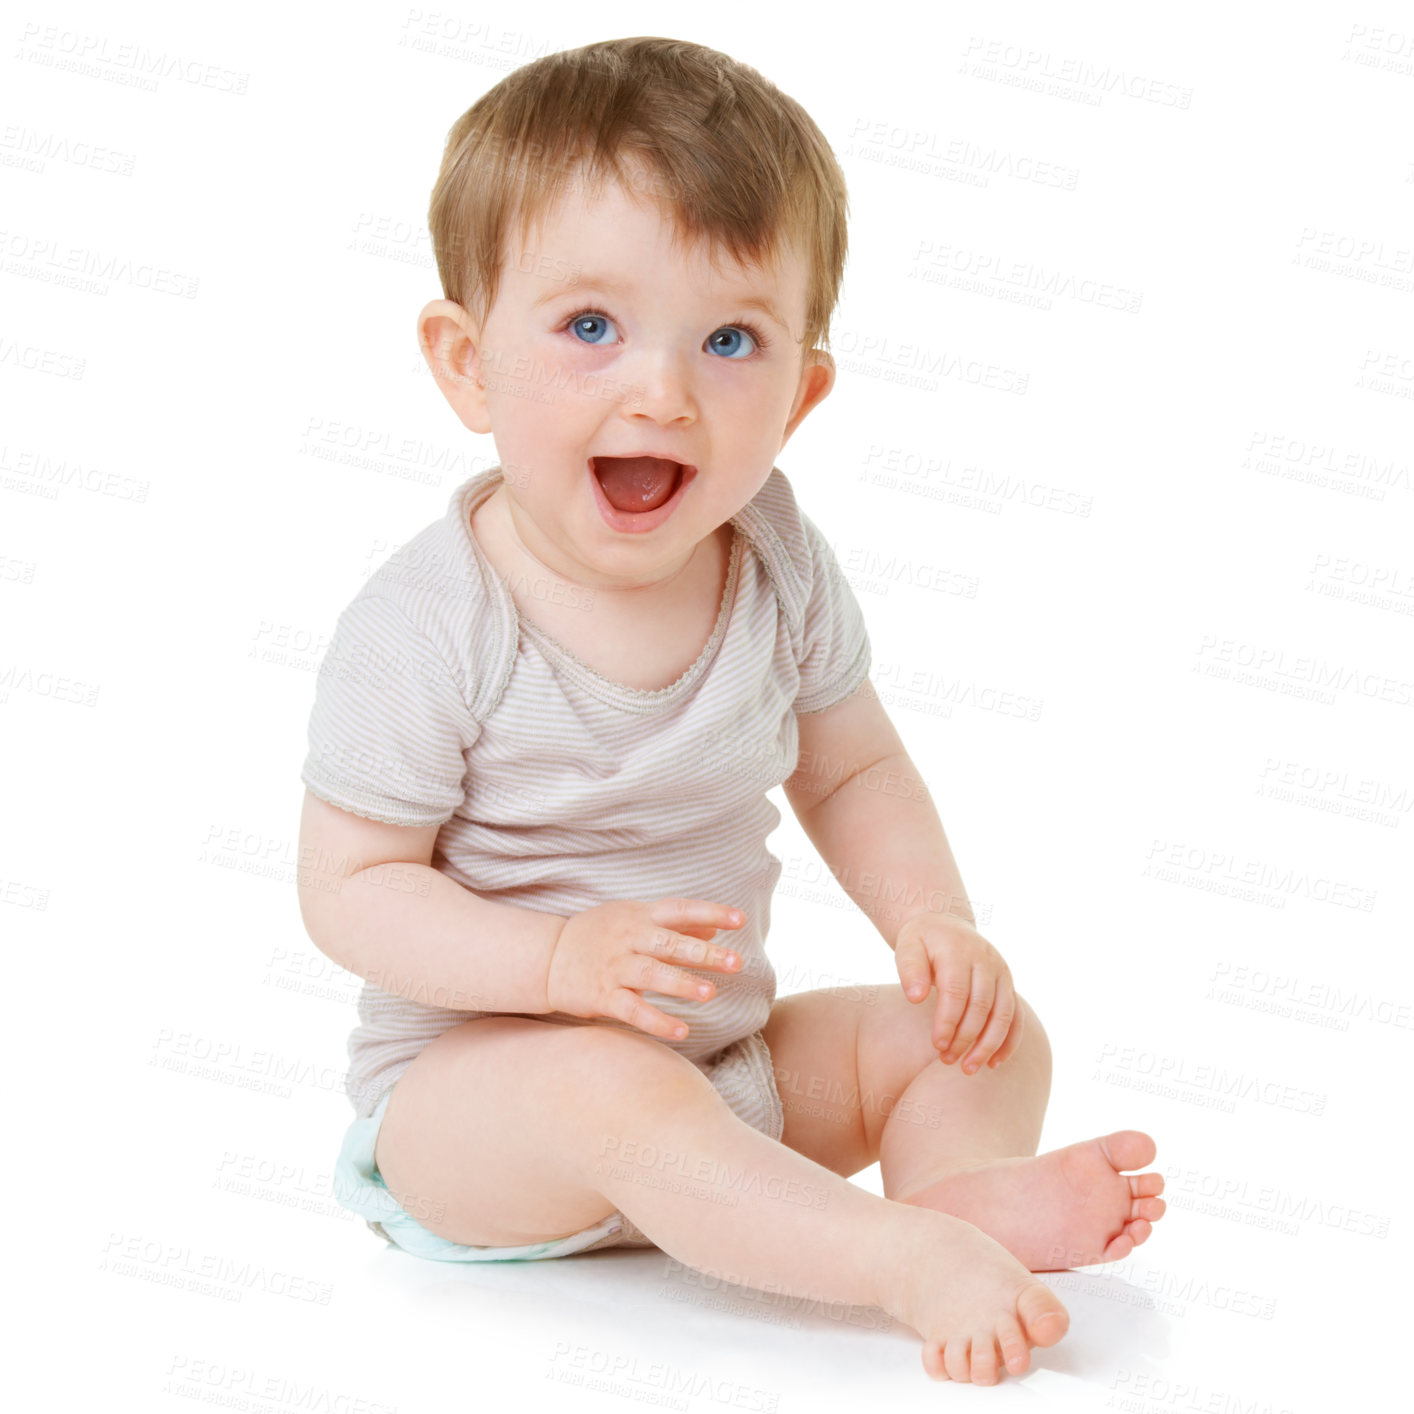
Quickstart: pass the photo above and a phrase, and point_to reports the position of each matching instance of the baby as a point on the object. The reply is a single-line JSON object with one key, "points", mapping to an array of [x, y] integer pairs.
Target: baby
{"points": [[542, 739]]}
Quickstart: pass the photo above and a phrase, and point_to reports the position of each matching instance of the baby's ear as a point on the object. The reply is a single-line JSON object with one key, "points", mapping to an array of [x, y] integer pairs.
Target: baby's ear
{"points": [[817, 377], [451, 346]]}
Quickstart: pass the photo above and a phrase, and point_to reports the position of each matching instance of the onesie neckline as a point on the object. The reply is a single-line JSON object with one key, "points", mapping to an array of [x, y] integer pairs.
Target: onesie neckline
{"points": [[635, 699]]}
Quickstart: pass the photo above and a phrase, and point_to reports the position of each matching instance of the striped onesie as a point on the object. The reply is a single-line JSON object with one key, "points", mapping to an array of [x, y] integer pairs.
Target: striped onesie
{"points": [[558, 789]]}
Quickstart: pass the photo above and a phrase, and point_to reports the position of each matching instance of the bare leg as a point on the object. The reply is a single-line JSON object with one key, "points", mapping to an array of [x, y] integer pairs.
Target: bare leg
{"points": [[767, 1217], [1069, 1207], [989, 1115], [959, 1143], [555, 1126]]}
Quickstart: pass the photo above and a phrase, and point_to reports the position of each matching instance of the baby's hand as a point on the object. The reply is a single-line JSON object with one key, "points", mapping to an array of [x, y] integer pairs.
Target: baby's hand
{"points": [[607, 954], [976, 1000]]}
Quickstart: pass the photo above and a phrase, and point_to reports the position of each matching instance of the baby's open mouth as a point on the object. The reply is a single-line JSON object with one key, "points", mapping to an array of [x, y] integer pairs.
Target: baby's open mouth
{"points": [[637, 484]]}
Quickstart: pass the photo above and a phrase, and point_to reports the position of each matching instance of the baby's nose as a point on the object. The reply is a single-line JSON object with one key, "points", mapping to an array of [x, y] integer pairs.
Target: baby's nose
{"points": [[659, 384]]}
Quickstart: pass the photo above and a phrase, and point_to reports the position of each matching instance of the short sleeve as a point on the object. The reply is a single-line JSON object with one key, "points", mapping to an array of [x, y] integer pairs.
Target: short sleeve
{"points": [[390, 722], [836, 654]]}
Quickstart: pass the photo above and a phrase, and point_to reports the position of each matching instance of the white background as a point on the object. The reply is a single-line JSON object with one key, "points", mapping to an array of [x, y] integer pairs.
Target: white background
{"points": [[1194, 563]]}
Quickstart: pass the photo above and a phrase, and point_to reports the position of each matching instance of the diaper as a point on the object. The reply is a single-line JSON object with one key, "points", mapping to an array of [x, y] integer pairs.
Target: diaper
{"points": [[741, 1073]]}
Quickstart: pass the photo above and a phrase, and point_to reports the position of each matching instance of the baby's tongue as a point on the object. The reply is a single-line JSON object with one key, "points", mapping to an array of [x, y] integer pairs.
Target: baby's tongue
{"points": [[636, 483]]}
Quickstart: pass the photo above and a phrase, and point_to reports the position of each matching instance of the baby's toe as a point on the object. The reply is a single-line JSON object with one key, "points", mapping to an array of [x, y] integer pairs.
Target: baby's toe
{"points": [[957, 1359], [1043, 1316], [933, 1360], [985, 1364], [1146, 1185], [1016, 1354], [1150, 1208], [1129, 1149], [1121, 1245]]}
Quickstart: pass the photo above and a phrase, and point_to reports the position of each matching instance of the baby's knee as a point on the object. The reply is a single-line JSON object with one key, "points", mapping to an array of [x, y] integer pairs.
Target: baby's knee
{"points": [[1033, 1034]]}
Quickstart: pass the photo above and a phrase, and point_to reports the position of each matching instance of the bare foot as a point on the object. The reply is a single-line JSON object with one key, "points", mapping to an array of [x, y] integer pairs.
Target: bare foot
{"points": [[977, 1308], [1070, 1207]]}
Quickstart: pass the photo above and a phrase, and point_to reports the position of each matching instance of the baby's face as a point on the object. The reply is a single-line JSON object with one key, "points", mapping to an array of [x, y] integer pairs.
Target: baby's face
{"points": [[651, 352]]}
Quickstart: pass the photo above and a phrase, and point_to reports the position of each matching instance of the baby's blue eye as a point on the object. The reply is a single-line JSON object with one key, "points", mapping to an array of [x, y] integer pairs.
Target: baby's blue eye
{"points": [[591, 327], [732, 332], [590, 319]]}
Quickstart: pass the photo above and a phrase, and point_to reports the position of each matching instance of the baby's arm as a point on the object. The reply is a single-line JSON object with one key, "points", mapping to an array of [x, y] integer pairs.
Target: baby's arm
{"points": [[865, 808], [371, 901]]}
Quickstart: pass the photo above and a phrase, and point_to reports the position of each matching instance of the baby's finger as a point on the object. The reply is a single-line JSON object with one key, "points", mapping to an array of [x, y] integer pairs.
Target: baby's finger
{"points": [[915, 969], [979, 1008], [668, 946], [1013, 1039], [628, 1006], [954, 984], [673, 982], [996, 1030], [674, 912]]}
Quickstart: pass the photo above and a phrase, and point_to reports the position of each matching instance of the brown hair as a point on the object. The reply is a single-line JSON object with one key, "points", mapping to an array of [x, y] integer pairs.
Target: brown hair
{"points": [[730, 158]]}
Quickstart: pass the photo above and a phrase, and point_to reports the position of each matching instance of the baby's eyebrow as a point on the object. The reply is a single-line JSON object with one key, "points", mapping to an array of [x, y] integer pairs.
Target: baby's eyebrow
{"points": [[580, 281], [583, 281]]}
